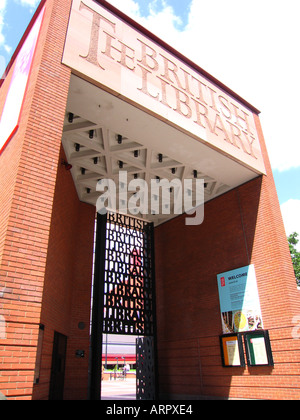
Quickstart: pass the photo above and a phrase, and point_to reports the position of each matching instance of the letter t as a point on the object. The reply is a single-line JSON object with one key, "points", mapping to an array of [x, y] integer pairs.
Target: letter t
{"points": [[92, 56]]}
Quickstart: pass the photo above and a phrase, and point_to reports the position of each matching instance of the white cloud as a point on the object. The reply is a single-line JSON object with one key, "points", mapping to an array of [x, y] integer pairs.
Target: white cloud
{"points": [[130, 7], [7, 48], [31, 4], [291, 216], [161, 21], [251, 46]]}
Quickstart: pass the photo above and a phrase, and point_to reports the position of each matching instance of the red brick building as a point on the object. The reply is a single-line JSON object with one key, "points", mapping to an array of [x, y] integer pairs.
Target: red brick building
{"points": [[94, 69]]}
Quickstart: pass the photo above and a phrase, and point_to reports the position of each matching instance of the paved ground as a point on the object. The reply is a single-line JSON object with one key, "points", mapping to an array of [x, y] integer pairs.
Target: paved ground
{"points": [[119, 389]]}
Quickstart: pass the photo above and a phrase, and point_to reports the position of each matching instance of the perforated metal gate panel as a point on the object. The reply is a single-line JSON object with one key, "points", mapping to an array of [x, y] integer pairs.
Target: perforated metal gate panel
{"points": [[145, 369], [128, 280]]}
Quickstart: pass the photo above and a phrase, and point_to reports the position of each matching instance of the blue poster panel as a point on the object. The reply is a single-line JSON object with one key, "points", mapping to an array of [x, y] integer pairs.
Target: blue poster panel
{"points": [[239, 300]]}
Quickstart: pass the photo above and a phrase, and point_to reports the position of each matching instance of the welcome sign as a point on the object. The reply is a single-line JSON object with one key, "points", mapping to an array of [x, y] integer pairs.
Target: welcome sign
{"points": [[239, 300]]}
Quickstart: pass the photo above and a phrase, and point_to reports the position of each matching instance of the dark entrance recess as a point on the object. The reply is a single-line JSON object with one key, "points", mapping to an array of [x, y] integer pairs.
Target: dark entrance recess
{"points": [[58, 367], [124, 290]]}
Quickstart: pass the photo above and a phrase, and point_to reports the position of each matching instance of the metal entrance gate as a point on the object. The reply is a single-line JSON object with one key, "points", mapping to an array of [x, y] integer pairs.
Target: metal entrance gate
{"points": [[145, 369], [124, 294]]}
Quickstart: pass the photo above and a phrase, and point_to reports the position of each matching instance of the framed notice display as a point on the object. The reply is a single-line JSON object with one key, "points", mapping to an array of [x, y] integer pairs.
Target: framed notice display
{"points": [[232, 350], [258, 348]]}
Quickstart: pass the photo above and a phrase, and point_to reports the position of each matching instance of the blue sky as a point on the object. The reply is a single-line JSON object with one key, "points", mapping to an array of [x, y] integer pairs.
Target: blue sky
{"points": [[16, 15], [250, 45]]}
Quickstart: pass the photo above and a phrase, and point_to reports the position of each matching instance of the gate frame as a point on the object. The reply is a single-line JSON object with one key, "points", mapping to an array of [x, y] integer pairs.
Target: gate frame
{"points": [[98, 309]]}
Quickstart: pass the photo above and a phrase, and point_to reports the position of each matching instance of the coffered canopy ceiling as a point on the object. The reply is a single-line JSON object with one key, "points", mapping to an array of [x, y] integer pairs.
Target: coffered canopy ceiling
{"points": [[105, 135]]}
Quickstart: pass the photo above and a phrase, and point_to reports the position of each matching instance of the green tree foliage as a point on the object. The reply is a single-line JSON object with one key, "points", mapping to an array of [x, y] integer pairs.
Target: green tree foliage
{"points": [[292, 240]]}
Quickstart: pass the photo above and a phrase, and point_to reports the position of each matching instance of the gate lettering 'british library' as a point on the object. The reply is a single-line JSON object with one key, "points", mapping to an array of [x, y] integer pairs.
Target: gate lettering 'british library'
{"points": [[137, 198]]}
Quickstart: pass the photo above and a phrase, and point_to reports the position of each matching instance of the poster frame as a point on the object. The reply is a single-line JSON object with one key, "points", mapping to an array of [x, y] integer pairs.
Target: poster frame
{"points": [[250, 351], [232, 337]]}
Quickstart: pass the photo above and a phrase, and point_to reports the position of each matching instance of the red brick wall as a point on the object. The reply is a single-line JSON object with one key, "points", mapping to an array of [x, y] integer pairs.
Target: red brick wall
{"points": [[241, 227], [8, 169], [67, 286], [28, 176]]}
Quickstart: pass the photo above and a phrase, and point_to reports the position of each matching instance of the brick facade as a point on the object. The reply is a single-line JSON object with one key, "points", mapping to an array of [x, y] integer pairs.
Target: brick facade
{"points": [[29, 167], [240, 228], [46, 251]]}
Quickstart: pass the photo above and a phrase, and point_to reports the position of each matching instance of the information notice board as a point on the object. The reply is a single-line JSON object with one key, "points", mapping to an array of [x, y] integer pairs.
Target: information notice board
{"points": [[239, 300], [232, 350], [258, 348]]}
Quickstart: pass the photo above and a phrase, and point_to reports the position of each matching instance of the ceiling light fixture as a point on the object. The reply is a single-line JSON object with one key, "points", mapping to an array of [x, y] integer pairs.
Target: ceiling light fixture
{"points": [[70, 117], [67, 165]]}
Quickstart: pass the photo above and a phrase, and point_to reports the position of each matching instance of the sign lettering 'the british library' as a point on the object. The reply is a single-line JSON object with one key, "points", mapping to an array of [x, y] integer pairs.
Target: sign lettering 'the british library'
{"points": [[120, 59]]}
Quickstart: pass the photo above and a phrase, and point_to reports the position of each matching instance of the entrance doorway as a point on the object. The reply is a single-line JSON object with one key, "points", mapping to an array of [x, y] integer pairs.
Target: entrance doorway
{"points": [[58, 367], [124, 299], [119, 367]]}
